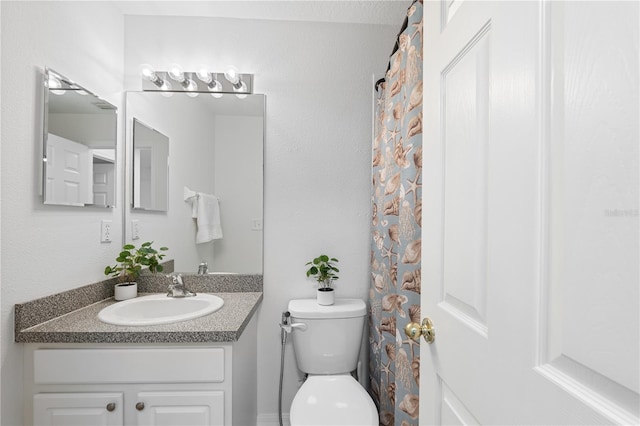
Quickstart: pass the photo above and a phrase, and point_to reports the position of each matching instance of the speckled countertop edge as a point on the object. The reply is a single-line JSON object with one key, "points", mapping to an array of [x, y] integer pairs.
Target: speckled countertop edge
{"points": [[83, 325], [34, 319]]}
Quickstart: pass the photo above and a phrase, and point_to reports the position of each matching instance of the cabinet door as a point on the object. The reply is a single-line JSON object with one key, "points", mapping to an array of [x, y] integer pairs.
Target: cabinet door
{"points": [[77, 409], [185, 408]]}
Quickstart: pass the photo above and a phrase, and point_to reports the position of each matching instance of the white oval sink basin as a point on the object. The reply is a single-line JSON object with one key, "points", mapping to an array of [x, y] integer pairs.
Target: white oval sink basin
{"points": [[159, 309]]}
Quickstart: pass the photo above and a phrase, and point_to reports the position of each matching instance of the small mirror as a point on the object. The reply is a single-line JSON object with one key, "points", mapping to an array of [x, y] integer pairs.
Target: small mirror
{"points": [[150, 168], [79, 145]]}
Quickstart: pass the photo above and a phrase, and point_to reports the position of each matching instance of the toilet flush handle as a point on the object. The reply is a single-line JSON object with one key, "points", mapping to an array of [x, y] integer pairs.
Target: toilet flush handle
{"points": [[289, 327]]}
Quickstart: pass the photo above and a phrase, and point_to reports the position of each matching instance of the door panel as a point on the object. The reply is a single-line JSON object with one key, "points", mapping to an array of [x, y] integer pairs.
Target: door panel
{"points": [[69, 172], [530, 219], [589, 332], [201, 408], [464, 101], [78, 409]]}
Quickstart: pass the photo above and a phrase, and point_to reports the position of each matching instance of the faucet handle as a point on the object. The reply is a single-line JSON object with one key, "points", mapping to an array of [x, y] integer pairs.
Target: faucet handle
{"points": [[176, 279]]}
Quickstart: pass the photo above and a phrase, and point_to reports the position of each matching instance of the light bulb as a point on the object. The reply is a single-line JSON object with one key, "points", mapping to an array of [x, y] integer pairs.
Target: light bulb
{"points": [[217, 95], [204, 75], [175, 72], [166, 86], [214, 86], [54, 83], [147, 72], [242, 87], [191, 88], [232, 75]]}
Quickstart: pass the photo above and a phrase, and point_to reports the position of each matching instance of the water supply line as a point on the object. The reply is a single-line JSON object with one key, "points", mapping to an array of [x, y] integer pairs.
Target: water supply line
{"points": [[285, 328]]}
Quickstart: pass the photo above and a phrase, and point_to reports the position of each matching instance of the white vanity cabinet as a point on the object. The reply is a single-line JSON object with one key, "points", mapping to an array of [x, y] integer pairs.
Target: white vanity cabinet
{"points": [[166, 408], [187, 384]]}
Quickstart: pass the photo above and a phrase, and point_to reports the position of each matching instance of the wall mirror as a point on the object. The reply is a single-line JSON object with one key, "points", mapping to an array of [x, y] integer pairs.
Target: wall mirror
{"points": [[150, 168], [79, 145], [217, 146]]}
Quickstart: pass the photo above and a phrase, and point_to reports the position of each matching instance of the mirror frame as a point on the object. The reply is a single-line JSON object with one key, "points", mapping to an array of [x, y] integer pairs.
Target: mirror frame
{"points": [[69, 85]]}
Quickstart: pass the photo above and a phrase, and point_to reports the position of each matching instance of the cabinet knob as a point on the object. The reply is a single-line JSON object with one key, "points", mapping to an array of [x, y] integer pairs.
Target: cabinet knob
{"points": [[111, 406], [140, 406]]}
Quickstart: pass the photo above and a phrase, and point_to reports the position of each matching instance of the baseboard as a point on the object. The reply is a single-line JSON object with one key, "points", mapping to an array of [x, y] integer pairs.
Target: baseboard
{"points": [[272, 419]]}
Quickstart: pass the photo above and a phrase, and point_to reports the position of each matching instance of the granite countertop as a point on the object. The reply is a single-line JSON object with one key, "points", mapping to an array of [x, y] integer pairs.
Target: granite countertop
{"points": [[72, 317]]}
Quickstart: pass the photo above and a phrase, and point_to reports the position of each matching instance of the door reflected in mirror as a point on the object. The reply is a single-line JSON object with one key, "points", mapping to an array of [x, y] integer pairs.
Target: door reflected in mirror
{"points": [[79, 145], [150, 168]]}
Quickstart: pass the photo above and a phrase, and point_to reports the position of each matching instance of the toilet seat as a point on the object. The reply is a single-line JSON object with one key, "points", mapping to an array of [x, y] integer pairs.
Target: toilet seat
{"points": [[332, 400]]}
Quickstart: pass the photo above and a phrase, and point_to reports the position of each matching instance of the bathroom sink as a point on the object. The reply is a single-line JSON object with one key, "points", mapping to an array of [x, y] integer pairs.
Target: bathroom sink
{"points": [[159, 309]]}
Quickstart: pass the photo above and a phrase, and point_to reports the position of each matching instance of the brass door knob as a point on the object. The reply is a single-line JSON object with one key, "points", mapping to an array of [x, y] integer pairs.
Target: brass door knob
{"points": [[140, 406], [426, 330]]}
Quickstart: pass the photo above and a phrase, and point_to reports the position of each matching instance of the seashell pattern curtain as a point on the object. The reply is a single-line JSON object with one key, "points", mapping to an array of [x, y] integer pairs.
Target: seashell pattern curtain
{"points": [[394, 296]]}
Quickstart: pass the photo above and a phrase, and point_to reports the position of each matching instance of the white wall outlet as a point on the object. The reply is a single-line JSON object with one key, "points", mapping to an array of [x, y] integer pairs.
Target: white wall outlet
{"points": [[105, 231], [135, 229]]}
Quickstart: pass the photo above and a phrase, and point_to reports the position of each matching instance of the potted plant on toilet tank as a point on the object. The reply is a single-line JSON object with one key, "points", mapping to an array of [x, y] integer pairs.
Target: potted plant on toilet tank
{"points": [[131, 261], [323, 269]]}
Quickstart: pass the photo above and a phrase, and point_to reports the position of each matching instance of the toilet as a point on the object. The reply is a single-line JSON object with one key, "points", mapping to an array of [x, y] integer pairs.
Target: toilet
{"points": [[326, 342]]}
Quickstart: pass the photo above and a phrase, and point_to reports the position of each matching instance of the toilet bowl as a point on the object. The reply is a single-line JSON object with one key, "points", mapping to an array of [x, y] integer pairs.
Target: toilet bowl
{"points": [[327, 341], [332, 400]]}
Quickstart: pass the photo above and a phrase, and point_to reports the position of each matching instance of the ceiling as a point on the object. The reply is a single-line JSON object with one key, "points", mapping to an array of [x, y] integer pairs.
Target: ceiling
{"points": [[381, 12]]}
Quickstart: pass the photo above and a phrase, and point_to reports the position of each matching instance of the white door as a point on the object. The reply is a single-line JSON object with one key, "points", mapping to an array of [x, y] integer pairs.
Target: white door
{"points": [[530, 226], [103, 184], [77, 409], [69, 172], [189, 408]]}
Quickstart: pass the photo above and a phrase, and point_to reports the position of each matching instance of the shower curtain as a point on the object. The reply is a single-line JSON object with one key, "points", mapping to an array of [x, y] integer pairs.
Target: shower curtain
{"points": [[394, 295]]}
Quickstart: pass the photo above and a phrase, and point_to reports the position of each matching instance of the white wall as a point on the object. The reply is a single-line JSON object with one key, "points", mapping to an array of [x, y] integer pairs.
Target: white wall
{"points": [[48, 249], [317, 79], [238, 182]]}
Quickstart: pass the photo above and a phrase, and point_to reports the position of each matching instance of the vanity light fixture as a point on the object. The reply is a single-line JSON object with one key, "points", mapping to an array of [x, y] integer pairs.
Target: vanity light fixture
{"points": [[149, 74], [212, 82], [206, 82], [189, 86], [233, 76]]}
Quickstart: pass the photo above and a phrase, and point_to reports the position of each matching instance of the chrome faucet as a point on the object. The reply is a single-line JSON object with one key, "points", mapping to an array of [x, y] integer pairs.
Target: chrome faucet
{"points": [[177, 288], [203, 268]]}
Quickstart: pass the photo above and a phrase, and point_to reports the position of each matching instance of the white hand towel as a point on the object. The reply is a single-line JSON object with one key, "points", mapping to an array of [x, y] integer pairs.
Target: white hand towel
{"points": [[191, 197], [208, 219]]}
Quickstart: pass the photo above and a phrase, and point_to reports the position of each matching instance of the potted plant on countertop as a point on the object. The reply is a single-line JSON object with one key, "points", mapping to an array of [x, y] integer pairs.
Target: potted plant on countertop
{"points": [[131, 260], [324, 270]]}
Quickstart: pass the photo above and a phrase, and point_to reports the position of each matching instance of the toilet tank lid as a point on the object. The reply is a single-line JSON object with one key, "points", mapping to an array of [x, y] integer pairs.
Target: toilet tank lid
{"points": [[341, 308]]}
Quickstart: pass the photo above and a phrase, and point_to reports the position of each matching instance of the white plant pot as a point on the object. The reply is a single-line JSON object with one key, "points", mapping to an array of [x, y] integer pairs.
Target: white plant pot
{"points": [[124, 291], [325, 296]]}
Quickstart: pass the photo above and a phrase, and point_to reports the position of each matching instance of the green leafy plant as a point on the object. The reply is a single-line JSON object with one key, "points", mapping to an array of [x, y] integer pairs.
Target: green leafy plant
{"points": [[131, 260], [324, 270]]}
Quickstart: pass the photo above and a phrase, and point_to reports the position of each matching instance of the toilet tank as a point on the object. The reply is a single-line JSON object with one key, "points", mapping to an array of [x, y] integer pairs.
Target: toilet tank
{"points": [[330, 343]]}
